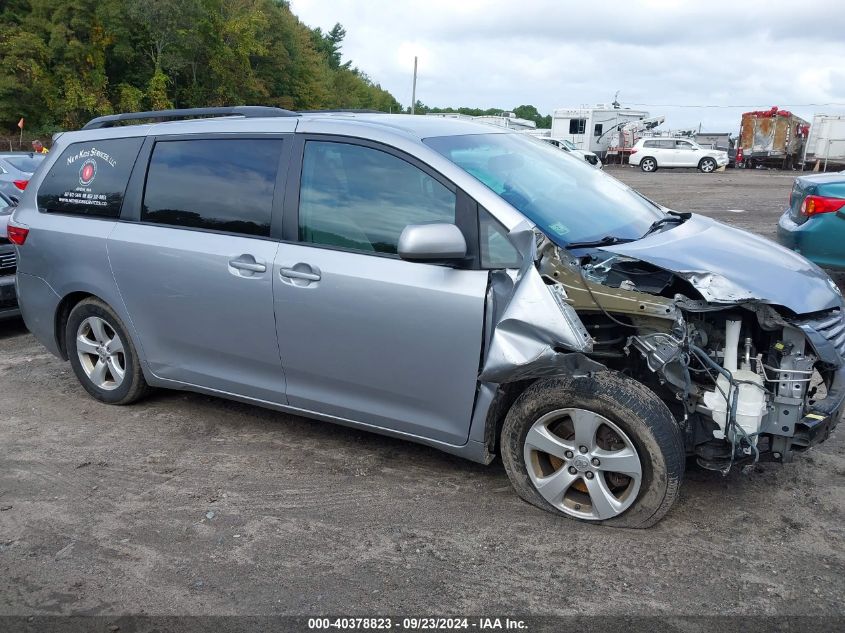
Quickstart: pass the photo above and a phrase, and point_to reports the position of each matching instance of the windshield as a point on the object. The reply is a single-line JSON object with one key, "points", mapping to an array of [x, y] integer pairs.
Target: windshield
{"points": [[566, 197], [25, 163], [569, 144]]}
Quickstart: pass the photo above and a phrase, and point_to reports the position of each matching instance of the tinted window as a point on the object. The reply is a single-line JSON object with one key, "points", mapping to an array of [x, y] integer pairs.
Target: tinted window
{"points": [[220, 185], [25, 163], [90, 178], [361, 198], [682, 145], [597, 128], [651, 144]]}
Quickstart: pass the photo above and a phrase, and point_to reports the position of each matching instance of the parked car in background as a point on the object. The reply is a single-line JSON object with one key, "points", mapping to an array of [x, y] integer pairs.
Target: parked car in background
{"points": [[16, 168], [570, 147], [814, 222], [652, 154], [722, 142], [8, 260], [439, 280]]}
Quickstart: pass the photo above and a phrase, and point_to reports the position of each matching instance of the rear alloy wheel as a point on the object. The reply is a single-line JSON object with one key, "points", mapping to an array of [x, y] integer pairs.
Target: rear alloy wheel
{"points": [[707, 165], [648, 164], [600, 448], [102, 355]]}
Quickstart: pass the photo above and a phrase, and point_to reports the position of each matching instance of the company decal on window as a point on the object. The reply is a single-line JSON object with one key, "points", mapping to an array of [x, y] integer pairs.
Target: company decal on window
{"points": [[90, 162]]}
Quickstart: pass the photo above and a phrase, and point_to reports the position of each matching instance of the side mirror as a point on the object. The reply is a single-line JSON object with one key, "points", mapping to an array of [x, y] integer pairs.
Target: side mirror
{"points": [[437, 242]]}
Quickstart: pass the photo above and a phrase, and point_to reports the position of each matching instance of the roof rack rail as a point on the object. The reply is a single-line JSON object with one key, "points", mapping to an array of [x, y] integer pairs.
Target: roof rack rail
{"points": [[164, 115]]}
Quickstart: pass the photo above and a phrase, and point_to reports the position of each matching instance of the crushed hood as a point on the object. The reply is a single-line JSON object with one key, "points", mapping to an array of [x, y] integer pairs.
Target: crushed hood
{"points": [[729, 265]]}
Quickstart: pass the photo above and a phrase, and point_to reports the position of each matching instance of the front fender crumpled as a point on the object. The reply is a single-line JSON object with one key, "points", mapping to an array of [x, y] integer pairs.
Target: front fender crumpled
{"points": [[535, 332]]}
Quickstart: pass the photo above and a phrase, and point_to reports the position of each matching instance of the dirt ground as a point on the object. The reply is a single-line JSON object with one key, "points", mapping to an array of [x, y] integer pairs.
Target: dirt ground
{"points": [[186, 504]]}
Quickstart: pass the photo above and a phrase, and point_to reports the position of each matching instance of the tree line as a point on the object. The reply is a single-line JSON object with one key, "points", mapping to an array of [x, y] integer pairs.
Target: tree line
{"points": [[67, 61]]}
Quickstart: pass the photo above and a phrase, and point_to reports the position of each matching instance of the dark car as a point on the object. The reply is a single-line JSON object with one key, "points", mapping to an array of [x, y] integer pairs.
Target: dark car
{"points": [[8, 263]]}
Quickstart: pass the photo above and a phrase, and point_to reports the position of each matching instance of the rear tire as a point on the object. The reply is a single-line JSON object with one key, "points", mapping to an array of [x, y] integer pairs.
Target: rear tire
{"points": [[707, 165], [648, 164], [623, 425], [102, 354]]}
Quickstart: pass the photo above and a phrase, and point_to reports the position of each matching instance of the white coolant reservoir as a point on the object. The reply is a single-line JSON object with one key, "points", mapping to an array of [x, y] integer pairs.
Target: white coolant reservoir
{"points": [[751, 403]]}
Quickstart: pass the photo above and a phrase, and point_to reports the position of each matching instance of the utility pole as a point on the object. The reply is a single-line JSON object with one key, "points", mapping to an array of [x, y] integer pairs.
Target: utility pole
{"points": [[414, 88]]}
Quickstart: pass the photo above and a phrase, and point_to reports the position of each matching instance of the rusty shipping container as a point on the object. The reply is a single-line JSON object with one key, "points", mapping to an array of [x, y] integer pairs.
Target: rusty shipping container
{"points": [[774, 138]]}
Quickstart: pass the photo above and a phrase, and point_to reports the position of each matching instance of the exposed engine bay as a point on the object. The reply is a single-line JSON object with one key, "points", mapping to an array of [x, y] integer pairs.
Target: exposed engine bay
{"points": [[744, 379]]}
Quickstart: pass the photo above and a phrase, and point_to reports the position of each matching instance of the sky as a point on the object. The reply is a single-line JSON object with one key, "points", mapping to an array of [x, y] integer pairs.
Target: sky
{"points": [[658, 54]]}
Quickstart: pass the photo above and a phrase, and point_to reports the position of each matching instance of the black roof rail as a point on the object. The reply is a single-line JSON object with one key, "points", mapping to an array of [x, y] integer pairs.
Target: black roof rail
{"points": [[164, 115]]}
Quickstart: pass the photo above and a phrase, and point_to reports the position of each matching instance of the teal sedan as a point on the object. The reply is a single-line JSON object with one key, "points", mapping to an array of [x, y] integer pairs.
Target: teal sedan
{"points": [[814, 222]]}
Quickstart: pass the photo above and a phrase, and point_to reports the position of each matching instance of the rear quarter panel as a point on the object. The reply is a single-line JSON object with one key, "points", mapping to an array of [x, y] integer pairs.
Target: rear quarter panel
{"points": [[67, 253]]}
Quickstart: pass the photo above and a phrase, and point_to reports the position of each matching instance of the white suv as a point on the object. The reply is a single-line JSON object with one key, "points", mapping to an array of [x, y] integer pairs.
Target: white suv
{"points": [[651, 153]]}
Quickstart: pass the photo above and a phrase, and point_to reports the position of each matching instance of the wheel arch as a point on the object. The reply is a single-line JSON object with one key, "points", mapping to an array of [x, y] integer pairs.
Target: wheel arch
{"points": [[506, 395], [63, 310], [66, 305]]}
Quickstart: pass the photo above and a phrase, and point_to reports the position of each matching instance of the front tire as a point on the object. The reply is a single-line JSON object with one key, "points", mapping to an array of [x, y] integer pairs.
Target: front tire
{"points": [[707, 165], [601, 448], [648, 164], [102, 354]]}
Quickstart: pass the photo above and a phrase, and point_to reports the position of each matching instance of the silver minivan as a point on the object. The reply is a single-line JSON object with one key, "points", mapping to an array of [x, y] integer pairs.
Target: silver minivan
{"points": [[461, 286]]}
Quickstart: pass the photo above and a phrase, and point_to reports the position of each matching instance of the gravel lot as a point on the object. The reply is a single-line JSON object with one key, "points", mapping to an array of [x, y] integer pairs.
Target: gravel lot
{"points": [[186, 504]]}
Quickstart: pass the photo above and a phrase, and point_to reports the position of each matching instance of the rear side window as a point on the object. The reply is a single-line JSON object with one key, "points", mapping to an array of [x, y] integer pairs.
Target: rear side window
{"points": [[90, 178], [360, 198], [213, 184]]}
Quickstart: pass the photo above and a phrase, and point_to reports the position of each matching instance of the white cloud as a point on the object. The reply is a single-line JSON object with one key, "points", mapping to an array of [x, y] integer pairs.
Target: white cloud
{"points": [[552, 53]]}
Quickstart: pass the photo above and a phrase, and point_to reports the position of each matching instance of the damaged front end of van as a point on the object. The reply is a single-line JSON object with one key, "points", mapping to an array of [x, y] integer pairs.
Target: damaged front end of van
{"points": [[743, 341]]}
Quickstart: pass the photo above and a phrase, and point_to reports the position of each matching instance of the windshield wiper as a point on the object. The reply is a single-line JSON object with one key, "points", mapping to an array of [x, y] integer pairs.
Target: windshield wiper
{"points": [[611, 240], [607, 240], [676, 218]]}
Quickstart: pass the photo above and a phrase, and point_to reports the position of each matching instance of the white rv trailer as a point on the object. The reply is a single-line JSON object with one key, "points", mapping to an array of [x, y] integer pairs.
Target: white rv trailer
{"points": [[826, 143], [591, 127]]}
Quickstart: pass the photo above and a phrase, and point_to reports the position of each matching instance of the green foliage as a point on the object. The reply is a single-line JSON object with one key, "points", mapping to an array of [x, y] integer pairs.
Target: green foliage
{"points": [[157, 91], [66, 61]]}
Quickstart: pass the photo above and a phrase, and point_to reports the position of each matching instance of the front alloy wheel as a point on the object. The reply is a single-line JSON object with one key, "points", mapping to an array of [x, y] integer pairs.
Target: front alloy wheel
{"points": [[599, 447], [583, 464], [707, 165]]}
